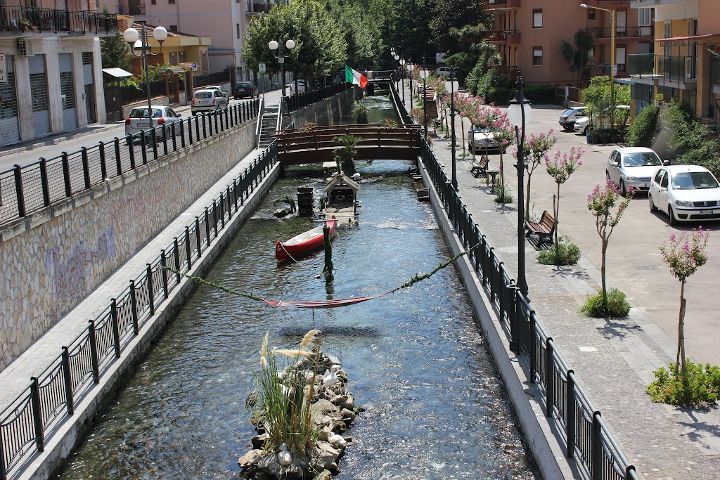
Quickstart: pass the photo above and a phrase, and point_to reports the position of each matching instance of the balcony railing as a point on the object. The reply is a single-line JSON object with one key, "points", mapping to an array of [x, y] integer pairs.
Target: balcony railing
{"points": [[673, 68], [623, 32], [641, 64], [504, 36], [715, 71], [31, 19], [501, 4], [257, 6]]}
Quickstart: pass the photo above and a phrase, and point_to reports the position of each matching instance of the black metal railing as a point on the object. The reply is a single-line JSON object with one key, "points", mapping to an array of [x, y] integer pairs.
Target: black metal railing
{"points": [[586, 437], [300, 100], [33, 417], [641, 63], [24, 190], [633, 31], [33, 19]]}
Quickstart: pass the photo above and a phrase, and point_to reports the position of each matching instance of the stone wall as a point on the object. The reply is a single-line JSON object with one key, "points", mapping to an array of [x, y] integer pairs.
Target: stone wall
{"points": [[326, 112], [54, 258]]}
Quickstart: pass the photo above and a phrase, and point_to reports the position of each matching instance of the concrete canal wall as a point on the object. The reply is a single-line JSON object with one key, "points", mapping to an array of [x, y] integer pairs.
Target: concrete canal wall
{"points": [[326, 112], [57, 256]]}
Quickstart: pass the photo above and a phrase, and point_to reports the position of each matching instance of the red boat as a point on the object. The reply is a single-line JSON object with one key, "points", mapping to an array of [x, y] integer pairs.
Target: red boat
{"points": [[304, 243]]}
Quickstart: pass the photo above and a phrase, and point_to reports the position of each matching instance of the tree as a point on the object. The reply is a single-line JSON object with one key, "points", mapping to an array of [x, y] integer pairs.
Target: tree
{"points": [[536, 150], [114, 52], [560, 168], [607, 206], [576, 54], [597, 99]]}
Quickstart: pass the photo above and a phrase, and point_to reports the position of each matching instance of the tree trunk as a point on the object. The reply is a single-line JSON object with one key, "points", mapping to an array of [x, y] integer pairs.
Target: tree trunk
{"points": [[602, 275], [680, 356], [557, 222], [527, 196], [462, 135]]}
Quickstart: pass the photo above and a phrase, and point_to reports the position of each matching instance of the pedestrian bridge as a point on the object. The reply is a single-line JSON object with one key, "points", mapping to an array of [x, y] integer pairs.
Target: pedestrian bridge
{"points": [[374, 142]]}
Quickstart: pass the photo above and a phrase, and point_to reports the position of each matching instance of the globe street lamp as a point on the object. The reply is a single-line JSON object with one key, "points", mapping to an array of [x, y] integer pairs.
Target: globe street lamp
{"points": [[137, 41], [396, 56], [402, 78], [612, 58], [519, 113], [278, 53], [424, 74], [410, 67]]}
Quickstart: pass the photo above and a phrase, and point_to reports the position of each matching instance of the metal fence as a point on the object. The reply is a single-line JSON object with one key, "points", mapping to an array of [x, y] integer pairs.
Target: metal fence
{"points": [[24, 190], [585, 435], [34, 19], [33, 417], [300, 100]]}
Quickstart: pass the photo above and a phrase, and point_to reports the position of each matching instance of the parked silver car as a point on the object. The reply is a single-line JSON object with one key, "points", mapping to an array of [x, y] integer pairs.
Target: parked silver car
{"points": [[207, 100], [569, 116], [632, 168], [140, 120]]}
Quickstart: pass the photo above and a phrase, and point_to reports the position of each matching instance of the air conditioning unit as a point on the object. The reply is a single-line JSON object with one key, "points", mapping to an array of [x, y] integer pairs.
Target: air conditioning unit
{"points": [[689, 68], [24, 47]]}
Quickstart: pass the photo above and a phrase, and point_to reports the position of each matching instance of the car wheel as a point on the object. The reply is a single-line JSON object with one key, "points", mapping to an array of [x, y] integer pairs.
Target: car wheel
{"points": [[653, 208], [671, 217], [585, 130], [623, 190]]}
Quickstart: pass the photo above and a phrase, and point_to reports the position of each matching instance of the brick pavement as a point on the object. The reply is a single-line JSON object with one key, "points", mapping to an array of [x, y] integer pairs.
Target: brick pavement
{"points": [[613, 360]]}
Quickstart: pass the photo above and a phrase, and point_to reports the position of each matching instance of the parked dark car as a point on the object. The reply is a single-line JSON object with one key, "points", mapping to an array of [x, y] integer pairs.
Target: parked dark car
{"points": [[244, 89]]}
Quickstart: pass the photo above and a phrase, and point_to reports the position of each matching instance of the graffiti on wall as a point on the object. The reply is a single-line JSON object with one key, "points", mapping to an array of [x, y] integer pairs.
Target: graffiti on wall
{"points": [[70, 272]]}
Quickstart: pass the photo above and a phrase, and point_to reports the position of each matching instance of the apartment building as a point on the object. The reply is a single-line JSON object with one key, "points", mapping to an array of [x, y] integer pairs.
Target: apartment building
{"points": [[685, 64], [50, 68], [529, 36], [226, 21]]}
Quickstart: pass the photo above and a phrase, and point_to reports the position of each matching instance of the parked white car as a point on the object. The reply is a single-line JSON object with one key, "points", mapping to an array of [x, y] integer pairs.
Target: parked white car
{"points": [[685, 193], [632, 168], [443, 71], [207, 100], [481, 140], [583, 122], [290, 87], [139, 120]]}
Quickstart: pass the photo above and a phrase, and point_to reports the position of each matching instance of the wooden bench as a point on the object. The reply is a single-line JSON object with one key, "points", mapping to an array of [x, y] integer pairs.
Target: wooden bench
{"points": [[544, 229], [479, 167]]}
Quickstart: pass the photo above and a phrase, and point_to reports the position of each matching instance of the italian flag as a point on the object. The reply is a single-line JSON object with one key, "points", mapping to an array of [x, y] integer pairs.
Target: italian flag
{"points": [[355, 77]]}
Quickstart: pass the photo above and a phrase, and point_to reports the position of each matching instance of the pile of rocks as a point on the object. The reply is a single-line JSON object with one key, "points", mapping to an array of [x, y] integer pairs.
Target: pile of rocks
{"points": [[333, 409]]}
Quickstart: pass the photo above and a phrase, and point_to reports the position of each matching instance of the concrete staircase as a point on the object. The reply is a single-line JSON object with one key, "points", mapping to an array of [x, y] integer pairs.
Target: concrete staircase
{"points": [[269, 123]]}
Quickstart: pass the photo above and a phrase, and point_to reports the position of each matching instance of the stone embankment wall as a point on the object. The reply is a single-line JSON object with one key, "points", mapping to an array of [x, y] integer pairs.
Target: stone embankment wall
{"points": [[327, 112], [58, 255]]}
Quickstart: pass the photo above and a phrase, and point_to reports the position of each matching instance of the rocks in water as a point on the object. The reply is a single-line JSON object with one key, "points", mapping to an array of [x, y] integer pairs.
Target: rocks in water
{"points": [[324, 475], [259, 440], [337, 441], [250, 458]]}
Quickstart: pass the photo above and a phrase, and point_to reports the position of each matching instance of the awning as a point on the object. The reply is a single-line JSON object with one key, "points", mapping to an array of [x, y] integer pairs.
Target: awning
{"points": [[117, 72], [690, 38]]}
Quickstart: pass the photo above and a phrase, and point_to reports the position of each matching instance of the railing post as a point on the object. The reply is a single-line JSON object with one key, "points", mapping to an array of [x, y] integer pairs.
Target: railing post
{"points": [[198, 242], [182, 135], [515, 320], [143, 146], [549, 378], [164, 139], [174, 138], [37, 414], [131, 151], [235, 189], [133, 307], [204, 124], [153, 139], [163, 264], [197, 126], [151, 293], [67, 381], [93, 352], [531, 348], [596, 448], [103, 166], [215, 219], [85, 166], [118, 160], [176, 255], [570, 412], [207, 225], [66, 174], [229, 201], [221, 205], [115, 326], [44, 182], [188, 248]]}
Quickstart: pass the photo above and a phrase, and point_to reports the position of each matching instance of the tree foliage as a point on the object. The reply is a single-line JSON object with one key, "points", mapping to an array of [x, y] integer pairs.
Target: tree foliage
{"points": [[597, 98], [576, 54], [690, 139], [113, 52]]}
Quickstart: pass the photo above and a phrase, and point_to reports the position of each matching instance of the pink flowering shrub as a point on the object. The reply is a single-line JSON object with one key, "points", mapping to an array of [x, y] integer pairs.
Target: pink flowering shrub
{"points": [[561, 167], [536, 148]]}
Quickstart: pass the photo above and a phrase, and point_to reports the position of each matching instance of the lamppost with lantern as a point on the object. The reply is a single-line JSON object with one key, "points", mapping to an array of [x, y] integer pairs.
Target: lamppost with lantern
{"points": [[451, 77], [277, 50], [424, 74], [402, 77], [410, 67], [132, 36], [519, 113], [612, 58]]}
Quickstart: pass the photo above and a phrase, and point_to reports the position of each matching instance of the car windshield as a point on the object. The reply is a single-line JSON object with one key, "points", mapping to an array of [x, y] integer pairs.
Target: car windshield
{"points": [[693, 180], [203, 95], [481, 130], [243, 84], [143, 113], [641, 159]]}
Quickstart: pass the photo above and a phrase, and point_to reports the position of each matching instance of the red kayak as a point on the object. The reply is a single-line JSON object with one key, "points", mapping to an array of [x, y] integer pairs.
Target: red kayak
{"points": [[304, 243]]}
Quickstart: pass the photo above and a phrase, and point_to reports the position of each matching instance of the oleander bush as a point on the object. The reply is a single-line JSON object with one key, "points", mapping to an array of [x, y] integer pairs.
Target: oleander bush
{"points": [[617, 305]]}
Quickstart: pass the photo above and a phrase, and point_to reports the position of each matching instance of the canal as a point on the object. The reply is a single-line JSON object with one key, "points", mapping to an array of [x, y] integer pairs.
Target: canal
{"points": [[435, 405]]}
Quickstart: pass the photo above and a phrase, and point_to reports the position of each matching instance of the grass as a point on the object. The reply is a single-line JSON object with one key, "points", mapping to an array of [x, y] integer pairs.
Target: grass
{"points": [[617, 305], [564, 253]]}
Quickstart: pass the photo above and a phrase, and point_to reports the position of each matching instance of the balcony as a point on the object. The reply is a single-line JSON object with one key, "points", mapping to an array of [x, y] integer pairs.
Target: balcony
{"points": [[502, 4], [673, 68], [35, 20], [509, 37], [623, 32], [641, 64], [257, 7]]}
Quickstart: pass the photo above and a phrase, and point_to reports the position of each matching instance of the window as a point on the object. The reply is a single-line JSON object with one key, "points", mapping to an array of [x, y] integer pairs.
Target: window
{"points": [[537, 56], [237, 30], [591, 14], [591, 53], [667, 33], [537, 18], [172, 28], [644, 17], [153, 2], [171, 2]]}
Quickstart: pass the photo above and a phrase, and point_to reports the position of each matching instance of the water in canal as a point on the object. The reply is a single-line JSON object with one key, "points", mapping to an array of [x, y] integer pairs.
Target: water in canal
{"points": [[435, 406]]}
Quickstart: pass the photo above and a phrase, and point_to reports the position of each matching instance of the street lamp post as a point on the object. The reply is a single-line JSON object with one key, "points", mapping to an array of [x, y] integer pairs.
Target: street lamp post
{"points": [[518, 113], [280, 56], [132, 36], [424, 73], [452, 127], [402, 78], [396, 56], [612, 58], [409, 67]]}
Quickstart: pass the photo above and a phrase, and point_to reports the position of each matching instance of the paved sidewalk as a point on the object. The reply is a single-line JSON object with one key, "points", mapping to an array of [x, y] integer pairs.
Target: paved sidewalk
{"points": [[613, 360]]}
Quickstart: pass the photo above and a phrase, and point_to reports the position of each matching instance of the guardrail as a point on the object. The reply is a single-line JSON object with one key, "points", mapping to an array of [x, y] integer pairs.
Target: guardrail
{"points": [[27, 189], [34, 416], [300, 100], [586, 437]]}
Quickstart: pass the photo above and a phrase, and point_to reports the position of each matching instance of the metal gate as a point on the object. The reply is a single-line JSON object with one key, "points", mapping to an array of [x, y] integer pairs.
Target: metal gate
{"points": [[67, 92], [39, 95], [9, 124], [87, 59]]}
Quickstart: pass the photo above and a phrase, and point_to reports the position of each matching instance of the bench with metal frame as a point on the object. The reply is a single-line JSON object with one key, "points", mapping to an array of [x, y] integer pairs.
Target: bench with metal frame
{"points": [[544, 229]]}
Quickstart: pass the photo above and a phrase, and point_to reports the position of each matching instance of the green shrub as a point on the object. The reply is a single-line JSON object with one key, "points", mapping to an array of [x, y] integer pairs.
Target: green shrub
{"points": [[499, 95], [702, 384], [618, 305], [502, 192], [690, 140], [564, 253], [604, 135], [540, 93], [642, 131]]}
